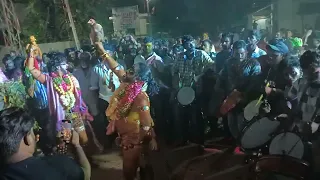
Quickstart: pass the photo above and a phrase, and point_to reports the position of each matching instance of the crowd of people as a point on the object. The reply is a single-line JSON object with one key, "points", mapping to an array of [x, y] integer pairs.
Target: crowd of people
{"points": [[137, 92]]}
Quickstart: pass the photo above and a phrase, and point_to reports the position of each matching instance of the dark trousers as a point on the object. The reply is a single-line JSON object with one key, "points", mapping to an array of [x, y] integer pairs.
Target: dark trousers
{"points": [[160, 113], [100, 124], [188, 123], [214, 104]]}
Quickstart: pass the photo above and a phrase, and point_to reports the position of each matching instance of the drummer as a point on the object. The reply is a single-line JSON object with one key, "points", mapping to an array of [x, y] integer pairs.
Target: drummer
{"points": [[239, 66], [306, 92], [289, 74], [239, 73], [189, 67], [272, 64]]}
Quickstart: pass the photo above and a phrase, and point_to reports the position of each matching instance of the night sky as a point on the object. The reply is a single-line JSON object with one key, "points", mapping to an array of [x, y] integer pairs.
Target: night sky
{"points": [[194, 17]]}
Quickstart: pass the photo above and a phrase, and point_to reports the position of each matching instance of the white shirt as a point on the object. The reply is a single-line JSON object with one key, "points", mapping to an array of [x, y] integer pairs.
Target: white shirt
{"points": [[258, 52], [88, 96], [100, 79], [154, 62]]}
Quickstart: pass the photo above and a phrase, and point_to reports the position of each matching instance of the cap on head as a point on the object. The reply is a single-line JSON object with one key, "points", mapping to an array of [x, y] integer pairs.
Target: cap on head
{"points": [[148, 40], [278, 46]]}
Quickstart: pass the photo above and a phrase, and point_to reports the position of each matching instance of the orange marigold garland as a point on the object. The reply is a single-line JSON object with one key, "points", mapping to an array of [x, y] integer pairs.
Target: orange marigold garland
{"points": [[122, 100], [65, 87]]}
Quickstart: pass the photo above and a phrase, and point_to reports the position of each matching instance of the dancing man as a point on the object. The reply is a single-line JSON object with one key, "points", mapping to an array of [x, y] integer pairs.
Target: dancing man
{"points": [[129, 115], [96, 34], [64, 95]]}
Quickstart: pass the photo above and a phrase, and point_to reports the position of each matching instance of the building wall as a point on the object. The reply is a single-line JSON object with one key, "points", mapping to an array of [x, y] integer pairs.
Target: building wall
{"points": [[289, 18], [141, 26], [285, 13]]}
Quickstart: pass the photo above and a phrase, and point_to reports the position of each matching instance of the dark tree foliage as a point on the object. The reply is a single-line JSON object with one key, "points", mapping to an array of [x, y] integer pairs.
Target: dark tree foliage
{"points": [[47, 20]]}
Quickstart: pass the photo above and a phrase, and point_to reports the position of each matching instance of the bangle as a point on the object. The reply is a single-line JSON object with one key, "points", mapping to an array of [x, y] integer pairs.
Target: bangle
{"points": [[114, 68], [38, 76], [105, 55], [146, 128]]}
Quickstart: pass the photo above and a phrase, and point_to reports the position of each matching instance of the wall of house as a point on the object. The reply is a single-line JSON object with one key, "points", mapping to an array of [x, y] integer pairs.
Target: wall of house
{"points": [[284, 14], [288, 17]]}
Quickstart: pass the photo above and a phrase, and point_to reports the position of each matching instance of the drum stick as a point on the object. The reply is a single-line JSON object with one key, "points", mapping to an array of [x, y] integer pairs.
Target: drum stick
{"points": [[260, 98]]}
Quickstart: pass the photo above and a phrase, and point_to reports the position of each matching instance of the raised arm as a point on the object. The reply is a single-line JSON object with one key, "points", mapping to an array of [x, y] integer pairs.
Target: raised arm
{"points": [[35, 72], [113, 64], [40, 52], [98, 29], [207, 62]]}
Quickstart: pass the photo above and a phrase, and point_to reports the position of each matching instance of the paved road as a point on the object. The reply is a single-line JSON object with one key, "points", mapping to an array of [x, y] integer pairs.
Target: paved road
{"points": [[111, 166]]}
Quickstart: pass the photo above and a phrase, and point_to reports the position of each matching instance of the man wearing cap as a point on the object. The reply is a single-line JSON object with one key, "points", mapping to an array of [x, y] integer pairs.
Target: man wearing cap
{"points": [[272, 66], [276, 52], [96, 34]]}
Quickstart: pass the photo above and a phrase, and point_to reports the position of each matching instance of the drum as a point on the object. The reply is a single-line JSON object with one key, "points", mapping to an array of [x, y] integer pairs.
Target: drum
{"points": [[237, 120], [236, 123], [288, 144], [258, 132], [230, 102], [281, 167], [252, 110], [186, 96]]}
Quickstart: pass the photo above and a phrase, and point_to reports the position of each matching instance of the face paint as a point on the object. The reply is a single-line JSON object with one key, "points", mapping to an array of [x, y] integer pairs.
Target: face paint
{"points": [[64, 66], [9, 64], [292, 74], [149, 48]]}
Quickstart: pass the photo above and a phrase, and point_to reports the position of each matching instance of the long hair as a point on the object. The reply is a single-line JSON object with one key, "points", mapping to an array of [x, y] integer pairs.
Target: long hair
{"points": [[144, 74]]}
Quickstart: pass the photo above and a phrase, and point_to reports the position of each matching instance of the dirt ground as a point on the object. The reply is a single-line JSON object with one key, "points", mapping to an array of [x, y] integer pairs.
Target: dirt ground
{"points": [[111, 166]]}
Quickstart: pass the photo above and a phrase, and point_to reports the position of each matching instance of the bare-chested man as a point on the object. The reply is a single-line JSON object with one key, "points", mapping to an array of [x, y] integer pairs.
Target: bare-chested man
{"points": [[96, 34]]}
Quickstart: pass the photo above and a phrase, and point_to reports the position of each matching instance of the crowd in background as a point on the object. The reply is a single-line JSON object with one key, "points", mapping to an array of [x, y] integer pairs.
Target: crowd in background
{"points": [[163, 56]]}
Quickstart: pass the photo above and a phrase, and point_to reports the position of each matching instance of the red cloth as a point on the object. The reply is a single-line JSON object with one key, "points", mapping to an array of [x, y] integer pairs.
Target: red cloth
{"points": [[237, 150], [262, 45], [36, 63]]}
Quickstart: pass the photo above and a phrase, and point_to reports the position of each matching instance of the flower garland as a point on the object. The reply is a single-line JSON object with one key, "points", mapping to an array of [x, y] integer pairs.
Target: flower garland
{"points": [[64, 86], [122, 100]]}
